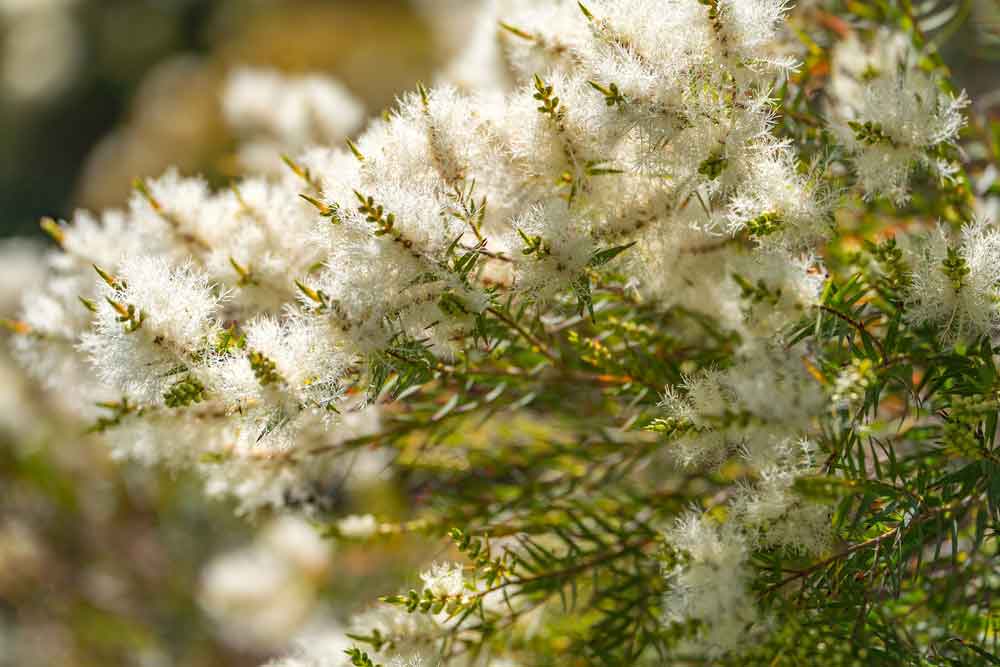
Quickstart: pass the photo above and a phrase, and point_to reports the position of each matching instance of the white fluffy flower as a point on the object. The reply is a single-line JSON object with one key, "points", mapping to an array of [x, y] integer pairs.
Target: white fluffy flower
{"points": [[237, 329], [752, 407], [444, 580], [411, 636], [778, 205], [178, 302], [154, 315], [773, 514], [894, 117], [305, 355], [711, 585], [956, 284], [562, 248]]}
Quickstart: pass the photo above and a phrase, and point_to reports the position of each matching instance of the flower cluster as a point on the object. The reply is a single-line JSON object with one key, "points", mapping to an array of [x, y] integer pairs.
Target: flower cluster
{"points": [[241, 320], [893, 116], [956, 286]]}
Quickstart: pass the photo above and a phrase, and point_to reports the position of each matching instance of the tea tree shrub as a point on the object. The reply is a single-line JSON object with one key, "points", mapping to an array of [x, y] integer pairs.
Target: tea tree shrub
{"points": [[675, 320]]}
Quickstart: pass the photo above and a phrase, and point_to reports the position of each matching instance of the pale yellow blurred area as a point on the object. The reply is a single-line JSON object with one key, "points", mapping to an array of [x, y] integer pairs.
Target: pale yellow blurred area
{"points": [[376, 49]]}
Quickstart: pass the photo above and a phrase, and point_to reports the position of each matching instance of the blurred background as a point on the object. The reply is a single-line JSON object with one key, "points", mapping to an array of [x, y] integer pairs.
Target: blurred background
{"points": [[95, 93], [105, 564]]}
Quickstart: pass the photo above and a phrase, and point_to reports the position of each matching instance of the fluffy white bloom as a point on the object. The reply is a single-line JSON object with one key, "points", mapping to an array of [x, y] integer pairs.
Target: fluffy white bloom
{"points": [[773, 290], [278, 470], [777, 204], [152, 316], [178, 302], [305, 355], [166, 214], [761, 407], [753, 407], [410, 641], [956, 284], [563, 248], [105, 240], [312, 293], [854, 62], [53, 310], [408, 661], [565, 143], [557, 32], [712, 585], [236, 330], [412, 637], [260, 235], [748, 29], [317, 648], [895, 117], [773, 514], [444, 580]]}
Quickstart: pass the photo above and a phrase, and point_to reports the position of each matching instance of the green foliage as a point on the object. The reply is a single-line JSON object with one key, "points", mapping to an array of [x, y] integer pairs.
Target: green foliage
{"points": [[119, 411], [128, 315], [264, 369], [612, 96], [548, 102], [375, 214], [713, 166], [955, 268], [870, 133], [562, 510], [764, 224], [360, 659], [184, 393]]}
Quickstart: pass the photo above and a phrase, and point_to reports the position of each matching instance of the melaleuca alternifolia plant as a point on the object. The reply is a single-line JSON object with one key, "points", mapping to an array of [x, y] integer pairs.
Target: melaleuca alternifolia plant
{"points": [[675, 318]]}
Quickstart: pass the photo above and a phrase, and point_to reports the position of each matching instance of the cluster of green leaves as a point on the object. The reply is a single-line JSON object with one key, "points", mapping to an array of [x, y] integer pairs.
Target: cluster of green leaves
{"points": [[559, 504], [572, 515], [918, 483]]}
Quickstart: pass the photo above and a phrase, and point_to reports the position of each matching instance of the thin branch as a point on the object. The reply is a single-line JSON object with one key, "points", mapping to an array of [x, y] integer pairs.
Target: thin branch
{"points": [[860, 326], [874, 541], [527, 335]]}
